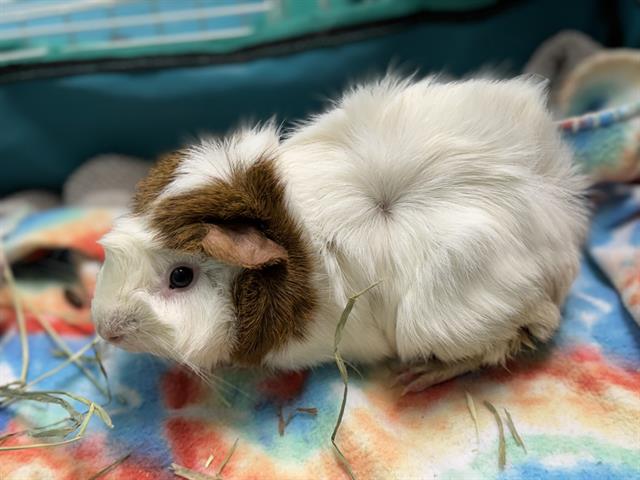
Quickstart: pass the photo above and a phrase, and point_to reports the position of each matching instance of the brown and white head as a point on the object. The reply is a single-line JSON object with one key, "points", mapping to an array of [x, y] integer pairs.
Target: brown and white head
{"points": [[209, 267]]}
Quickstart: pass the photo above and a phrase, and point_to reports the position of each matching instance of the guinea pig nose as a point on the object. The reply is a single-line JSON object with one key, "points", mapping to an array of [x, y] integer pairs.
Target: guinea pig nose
{"points": [[114, 338], [110, 334], [115, 329]]}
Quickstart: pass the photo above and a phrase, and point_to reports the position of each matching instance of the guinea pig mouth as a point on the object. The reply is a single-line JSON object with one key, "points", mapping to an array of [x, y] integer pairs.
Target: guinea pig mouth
{"points": [[142, 341], [126, 343], [222, 364]]}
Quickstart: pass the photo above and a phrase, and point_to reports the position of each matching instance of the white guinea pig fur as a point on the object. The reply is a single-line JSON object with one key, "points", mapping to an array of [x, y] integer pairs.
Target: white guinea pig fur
{"points": [[460, 198]]}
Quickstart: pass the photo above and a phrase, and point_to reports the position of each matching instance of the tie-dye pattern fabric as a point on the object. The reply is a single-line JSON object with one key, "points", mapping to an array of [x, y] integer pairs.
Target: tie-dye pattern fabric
{"points": [[576, 403]]}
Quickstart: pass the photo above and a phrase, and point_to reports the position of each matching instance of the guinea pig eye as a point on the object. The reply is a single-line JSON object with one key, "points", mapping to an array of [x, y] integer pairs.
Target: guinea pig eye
{"points": [[180, 277]]}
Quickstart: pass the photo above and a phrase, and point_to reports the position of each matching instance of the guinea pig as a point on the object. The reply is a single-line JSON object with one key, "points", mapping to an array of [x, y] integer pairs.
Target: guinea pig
{"points": [[460, 198]]}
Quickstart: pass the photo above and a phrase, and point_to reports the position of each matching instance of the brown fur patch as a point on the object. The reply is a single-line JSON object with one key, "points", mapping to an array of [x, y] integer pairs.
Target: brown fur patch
{"points": [[273, 304], [158, 178]]}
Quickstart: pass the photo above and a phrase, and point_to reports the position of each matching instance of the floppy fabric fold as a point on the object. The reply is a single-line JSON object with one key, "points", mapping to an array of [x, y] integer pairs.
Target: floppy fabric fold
{"points": [[601, 97], [600, 104]]}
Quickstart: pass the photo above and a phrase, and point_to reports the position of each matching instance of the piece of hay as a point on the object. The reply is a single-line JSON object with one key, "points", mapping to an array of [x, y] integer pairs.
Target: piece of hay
{"points": [[78, 421], [17, 390], [189, 474], [47, 432], [109, 467], [208, 462], [98, 359], [313, 411], [281, 421], [60, 354], [76, 418], [64, 364], [104, 416], [474, 415], [44, 431], [78, 436], [47, 374], [502, 448], [344, 374], [15, 394], [283, 424], [227, 458], [57, 339], [514, 433], [7, 273]]}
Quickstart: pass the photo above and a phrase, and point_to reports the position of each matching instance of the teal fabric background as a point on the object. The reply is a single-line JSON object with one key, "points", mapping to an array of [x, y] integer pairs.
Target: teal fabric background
{"points": [[49, 126]]}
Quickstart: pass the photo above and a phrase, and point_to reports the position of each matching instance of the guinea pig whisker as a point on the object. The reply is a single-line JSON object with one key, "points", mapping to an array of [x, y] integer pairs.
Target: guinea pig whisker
{"points": [[217, 381], [209, 378], [229, 385], [214, 380], [354, 368]]}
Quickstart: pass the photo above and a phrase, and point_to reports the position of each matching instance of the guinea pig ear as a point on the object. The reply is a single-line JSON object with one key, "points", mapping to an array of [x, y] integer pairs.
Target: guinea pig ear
{"points": [[242, 245]]}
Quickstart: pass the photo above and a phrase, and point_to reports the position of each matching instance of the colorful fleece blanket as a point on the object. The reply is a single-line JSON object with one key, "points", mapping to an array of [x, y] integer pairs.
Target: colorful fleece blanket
{"points": [[575, 403]]}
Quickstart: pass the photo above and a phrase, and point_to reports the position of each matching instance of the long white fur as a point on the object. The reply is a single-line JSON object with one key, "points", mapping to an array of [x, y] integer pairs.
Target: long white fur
{"points": [[190, 326], [213, 159], [460, 197]]}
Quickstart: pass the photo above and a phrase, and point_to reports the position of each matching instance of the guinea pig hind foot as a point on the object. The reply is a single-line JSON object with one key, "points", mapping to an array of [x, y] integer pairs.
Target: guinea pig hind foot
{"points": [[418, 377]]}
